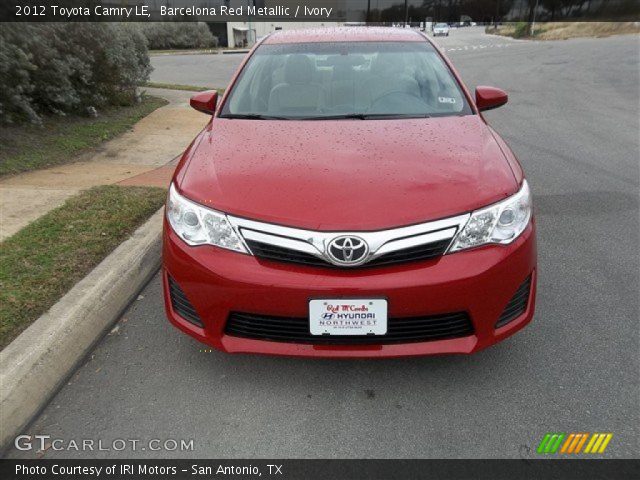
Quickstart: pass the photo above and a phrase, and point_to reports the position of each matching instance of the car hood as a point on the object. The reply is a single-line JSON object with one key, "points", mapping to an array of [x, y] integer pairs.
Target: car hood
{"points": [[347, 174]]}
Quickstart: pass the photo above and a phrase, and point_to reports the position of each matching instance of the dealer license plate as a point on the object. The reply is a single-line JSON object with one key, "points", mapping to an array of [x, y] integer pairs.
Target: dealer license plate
{"points": [[348, 317]]}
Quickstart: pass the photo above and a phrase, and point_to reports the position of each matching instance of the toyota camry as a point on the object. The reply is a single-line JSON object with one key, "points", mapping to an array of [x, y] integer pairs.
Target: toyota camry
{"points": [[347, 198]]}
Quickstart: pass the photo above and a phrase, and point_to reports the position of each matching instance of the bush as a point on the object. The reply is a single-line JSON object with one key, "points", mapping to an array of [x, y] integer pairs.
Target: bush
{"points": [[521, 30], [167, 35], [63, 68]]}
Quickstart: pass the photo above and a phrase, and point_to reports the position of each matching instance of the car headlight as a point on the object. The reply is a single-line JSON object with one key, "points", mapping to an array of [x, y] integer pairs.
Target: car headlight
{"points": [[198, 225], [502, 222]]}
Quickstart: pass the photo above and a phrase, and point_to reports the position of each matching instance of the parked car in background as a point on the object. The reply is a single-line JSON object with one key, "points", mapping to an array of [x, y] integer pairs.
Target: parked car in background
{"points": [[441, 30], [348, 199]]}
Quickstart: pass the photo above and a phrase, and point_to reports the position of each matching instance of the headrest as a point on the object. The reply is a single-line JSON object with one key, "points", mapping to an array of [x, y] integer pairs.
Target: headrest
{"points": [[298, 69]]}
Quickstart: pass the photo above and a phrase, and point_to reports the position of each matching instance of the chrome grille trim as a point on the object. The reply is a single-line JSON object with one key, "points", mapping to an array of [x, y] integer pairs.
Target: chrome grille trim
{"points": [[408, 242], [280, 241], [380, 242]]}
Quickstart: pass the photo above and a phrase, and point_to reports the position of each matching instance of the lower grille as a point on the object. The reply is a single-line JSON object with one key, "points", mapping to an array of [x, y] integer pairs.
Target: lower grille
{"points": [[399, 330], [517, 305], [413, 254], [181, 305]]}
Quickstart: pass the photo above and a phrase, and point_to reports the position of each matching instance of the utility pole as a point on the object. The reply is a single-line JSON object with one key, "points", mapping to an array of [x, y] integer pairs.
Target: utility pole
{"points": [[406, 12], [533, 21], [250, 39]]}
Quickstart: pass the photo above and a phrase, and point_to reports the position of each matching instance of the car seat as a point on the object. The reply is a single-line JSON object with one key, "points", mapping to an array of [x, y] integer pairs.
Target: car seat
{"points": [[299, 93]]}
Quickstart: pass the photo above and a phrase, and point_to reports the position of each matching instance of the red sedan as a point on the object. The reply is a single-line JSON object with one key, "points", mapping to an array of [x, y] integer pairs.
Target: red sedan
{"points": [[348, 199]]}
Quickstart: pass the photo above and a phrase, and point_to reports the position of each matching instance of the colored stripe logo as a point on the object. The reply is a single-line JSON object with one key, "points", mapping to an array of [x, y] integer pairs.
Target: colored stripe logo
{"points": [[573, 443]]}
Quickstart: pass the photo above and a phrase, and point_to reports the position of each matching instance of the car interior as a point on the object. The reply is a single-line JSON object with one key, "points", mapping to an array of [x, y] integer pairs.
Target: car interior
{"points": [[302, 84]]}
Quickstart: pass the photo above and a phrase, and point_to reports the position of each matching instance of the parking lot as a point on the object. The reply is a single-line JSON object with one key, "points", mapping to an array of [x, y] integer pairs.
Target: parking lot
{"points": [[573, 120]]}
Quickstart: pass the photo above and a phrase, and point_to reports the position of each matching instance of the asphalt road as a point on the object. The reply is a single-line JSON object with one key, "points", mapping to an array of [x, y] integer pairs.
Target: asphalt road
{"points": [[573, 120], [206, 70]]}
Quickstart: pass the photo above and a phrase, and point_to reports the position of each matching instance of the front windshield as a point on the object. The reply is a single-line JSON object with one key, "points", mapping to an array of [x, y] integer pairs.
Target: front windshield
{"points": [[349, 79]]}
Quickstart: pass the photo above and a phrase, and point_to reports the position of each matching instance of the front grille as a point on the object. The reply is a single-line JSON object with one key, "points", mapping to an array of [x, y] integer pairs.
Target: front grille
{"points": [[413, 254], [281, 254], [181, 305], [517, 305], [399, 330]]}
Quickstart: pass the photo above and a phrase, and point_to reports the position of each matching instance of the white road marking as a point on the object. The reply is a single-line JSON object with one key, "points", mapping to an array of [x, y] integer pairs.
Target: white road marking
{"points": [[476, 47]]}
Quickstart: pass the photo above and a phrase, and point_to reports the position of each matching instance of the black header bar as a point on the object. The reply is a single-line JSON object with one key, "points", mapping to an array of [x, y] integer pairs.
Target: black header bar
{"points": [[319, 469], [357, 11]]}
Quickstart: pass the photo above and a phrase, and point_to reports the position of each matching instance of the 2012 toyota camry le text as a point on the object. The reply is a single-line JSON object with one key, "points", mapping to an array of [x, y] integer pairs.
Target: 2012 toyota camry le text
{"points": [[348, 199]]}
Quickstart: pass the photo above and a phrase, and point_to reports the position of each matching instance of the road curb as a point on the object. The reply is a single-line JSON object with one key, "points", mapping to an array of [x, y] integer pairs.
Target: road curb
{"points": [[235, 52], [510, 38], [184, 52], [41, 358]]}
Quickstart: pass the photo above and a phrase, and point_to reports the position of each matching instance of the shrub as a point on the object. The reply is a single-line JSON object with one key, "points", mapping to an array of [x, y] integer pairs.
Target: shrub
{"points": [[167, 35], [15, 87], [68, 67], [521, 30]]}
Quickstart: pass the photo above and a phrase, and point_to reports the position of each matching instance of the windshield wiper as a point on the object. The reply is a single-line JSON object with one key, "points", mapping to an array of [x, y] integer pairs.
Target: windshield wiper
{"points": [[397, 115], [357, 116], [253, 116], [366, 116]]}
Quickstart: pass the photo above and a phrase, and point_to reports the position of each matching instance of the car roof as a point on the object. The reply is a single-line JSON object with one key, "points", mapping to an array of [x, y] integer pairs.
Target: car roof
{"points": [[345, 34]]}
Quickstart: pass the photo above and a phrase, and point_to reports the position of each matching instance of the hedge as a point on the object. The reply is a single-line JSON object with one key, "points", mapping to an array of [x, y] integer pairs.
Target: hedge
{"points": [[59, 68], [168, 35]]}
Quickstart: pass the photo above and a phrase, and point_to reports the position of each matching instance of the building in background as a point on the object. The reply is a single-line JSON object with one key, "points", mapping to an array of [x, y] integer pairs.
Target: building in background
{"points": [[245, 34]]}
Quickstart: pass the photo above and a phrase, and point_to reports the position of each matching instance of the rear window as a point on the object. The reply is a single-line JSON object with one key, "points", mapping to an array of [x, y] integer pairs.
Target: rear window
{"points": [[316, 80]]}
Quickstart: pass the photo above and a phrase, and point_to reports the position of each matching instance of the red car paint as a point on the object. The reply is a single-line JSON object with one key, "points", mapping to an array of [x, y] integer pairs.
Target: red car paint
{"points": [[375, 171], [349, 175]]}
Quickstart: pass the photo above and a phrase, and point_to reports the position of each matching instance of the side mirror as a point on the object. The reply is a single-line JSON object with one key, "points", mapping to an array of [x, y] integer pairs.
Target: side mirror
{"points": [[205, 102], [490, 97]]}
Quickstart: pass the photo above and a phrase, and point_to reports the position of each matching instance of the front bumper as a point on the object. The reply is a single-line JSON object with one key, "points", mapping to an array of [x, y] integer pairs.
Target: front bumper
{"points": [[480, 282]]}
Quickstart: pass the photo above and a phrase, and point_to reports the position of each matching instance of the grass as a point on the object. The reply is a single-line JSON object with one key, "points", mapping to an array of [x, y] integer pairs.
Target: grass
{"points": [[62, 139], [177, 86], [41, 262], [565, 30]]}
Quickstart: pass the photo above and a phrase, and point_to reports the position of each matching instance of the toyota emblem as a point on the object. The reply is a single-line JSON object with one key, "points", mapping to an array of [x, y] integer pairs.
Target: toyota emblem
{"points": [[347, 250]]}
